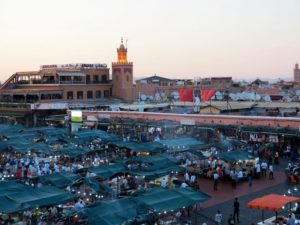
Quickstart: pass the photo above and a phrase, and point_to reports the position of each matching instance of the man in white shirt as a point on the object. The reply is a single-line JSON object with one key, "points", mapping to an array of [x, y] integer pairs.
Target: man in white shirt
{"points": [[184, 185], [257, 170], [264, 167], [218, 217], [216, 179], [164, 182], [187, 177], [271, 172]]}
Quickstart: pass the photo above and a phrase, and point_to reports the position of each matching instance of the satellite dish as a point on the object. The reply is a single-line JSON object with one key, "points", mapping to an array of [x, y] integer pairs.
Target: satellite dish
{"points": [[143, 97]]}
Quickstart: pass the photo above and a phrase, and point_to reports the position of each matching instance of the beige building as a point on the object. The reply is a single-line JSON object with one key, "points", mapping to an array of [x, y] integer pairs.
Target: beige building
{"points": [[79, 81]]}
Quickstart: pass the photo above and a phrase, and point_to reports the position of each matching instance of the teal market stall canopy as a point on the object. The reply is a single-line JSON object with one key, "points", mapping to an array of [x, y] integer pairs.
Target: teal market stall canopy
{"points": [[154, 166], [16, 200], [107, 171], [152, 147], [181, 142], [161, 199], [156, 200], [59, 180], [233, 156]]}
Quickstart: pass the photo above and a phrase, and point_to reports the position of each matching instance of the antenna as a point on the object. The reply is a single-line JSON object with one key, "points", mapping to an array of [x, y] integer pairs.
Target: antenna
{"points": [[126, 42]]}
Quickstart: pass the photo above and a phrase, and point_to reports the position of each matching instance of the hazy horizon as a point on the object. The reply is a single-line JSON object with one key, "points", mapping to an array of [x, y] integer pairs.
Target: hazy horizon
{"points": [[197, 38]]}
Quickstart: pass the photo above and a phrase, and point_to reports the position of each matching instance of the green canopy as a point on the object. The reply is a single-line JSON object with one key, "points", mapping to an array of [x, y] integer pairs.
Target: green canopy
{"points": [[59, 180], [151, 175], [234, 156], [153, 147], [161, 199], [10, 187], [33, 198], [107, 171], [180, 142], [157, 200], [96, 186], [74, 151], [155, 162], [112, 212]]}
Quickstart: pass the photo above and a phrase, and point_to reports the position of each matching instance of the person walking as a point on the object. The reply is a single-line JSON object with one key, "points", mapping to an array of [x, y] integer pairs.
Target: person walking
{"points": [[250, 178], [218, 217], [264, 167], [271, 172], [216, 180], [236, 210], [276, 158]]}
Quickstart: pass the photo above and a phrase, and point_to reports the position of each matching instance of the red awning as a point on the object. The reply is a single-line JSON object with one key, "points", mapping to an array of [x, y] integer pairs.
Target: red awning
{"points": [[272, 202]]}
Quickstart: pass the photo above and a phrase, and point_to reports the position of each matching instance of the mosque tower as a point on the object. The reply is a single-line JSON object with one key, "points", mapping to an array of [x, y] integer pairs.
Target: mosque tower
{"points": [[122, 75], [296, 73]]}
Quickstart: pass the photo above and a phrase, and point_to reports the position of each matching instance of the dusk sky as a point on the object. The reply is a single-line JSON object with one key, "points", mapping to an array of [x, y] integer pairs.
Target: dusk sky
{"points": [[244, 39]]}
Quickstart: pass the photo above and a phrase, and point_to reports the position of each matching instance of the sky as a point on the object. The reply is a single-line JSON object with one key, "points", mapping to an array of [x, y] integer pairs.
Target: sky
{"points": [[245, 39]]}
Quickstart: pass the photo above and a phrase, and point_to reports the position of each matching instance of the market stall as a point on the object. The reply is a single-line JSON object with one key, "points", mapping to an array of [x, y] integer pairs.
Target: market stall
{"points": [[271, 202]]}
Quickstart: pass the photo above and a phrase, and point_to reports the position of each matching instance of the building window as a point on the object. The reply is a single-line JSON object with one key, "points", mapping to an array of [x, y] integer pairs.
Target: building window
{"points": [[90, 94], [96, 79], [106, 93], [70, 95], [104, 79], [98, 94], [88, 79], [79, 94]]}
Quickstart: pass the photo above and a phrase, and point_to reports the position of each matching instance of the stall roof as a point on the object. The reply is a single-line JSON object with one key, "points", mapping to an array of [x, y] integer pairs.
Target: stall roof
{"points": [[187, 142], [234, 156], [107, 171], [151, 175], [112, 212], [59, 180], [33, 198], [153, 147], [271, 202], [157, 199], [161, 199]]}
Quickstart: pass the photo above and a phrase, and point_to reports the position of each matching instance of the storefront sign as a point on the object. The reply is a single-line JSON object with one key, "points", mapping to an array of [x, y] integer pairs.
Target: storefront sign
{"points": [[74, 66], [187, 122]]}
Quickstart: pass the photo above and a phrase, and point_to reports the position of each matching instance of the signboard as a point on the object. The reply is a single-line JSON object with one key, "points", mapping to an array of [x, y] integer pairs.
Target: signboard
{"points": [[187, 122], [76, 116], [103, 116], [43, 106], [74, 66]]}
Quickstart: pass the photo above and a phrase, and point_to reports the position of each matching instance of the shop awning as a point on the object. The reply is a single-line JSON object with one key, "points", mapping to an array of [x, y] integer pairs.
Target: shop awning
{"points": [[234, 156], [272, 202], [60, 180]]}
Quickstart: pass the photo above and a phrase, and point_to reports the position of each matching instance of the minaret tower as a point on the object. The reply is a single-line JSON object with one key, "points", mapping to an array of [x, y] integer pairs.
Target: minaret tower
{"points": [[296, 73], [122, 75]]}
